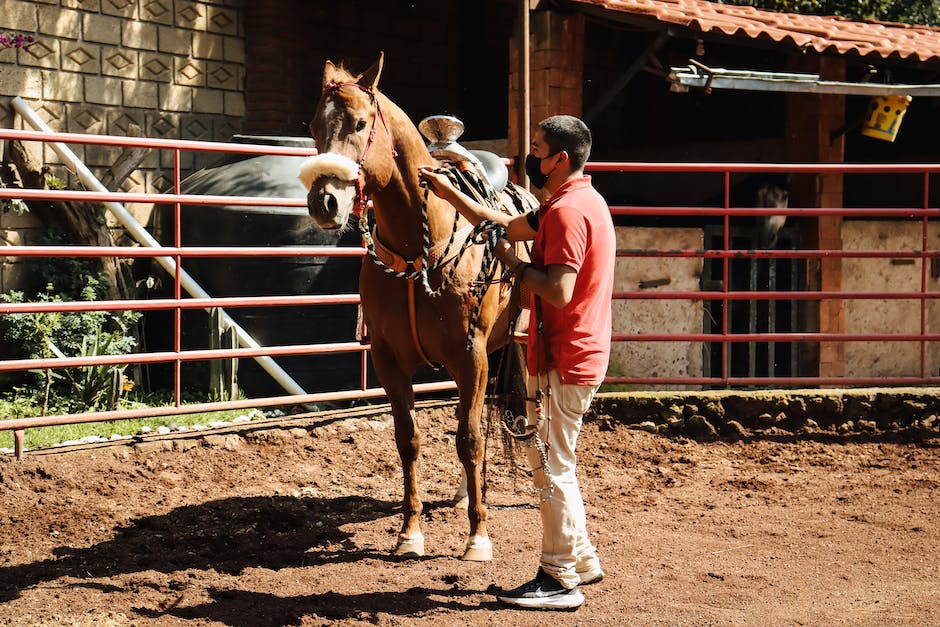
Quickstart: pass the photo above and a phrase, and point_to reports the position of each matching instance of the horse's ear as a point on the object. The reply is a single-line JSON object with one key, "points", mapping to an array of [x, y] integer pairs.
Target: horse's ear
{"points": [[370, 78], [330, 73]]}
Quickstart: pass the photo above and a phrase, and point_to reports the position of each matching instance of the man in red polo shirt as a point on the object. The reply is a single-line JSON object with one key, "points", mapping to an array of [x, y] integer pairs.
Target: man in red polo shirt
{"points": [[571, 278]]}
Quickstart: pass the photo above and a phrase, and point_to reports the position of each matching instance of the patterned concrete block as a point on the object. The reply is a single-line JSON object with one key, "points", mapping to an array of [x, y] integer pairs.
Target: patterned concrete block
{"points": [[82, 118], [222, 20], [19, 16], [83, 5], [223, 75], [207, 46], [103, 90], [140, 94], [174, 40], [101, 157], [119, 62], [159, 11], [196, 127], [234, 48], [225, 128], [234, 104], [126, 9], [59, 22], [58, 85], [190, 72], [52, 113], [120, 121], [139, 35], [78, 56], [191, 15], [105, 29], [175, 98], [155, 67], [208, 101], [162, 125], [43, 53], [20, 81]]}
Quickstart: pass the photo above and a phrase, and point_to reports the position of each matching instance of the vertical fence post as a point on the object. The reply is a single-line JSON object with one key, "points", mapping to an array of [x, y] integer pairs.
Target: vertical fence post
{"points": [[177, 284], [725, 284], [18, 443], [223, 383]]}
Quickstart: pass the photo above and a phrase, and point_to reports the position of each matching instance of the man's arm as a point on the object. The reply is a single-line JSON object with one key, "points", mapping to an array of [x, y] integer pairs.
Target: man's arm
{"points": [[517, 227], [555, 286]]}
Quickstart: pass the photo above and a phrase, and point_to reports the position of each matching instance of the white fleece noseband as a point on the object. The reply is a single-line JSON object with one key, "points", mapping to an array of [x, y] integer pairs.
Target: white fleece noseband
{"points": [[328, 164]]}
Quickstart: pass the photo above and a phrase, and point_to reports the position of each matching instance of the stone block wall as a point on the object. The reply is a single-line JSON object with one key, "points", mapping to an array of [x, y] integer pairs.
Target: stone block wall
{"points": [[175, 68]]}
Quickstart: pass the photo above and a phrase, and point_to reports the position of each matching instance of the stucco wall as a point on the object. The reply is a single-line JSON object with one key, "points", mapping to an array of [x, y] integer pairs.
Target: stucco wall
{"points": [[173, 67], [863, 359], [657, 359]]}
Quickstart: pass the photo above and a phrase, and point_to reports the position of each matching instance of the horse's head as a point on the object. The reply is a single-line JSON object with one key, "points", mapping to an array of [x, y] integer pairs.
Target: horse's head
{"points": [[773, 193], [354, 145]]}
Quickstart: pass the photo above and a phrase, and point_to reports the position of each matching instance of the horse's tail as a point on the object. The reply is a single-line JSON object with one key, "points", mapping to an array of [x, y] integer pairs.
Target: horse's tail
{"points": [[506, 398]]}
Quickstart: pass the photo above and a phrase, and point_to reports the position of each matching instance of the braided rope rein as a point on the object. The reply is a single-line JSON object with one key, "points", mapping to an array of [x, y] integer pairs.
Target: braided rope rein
{"points": [[486, 233]]}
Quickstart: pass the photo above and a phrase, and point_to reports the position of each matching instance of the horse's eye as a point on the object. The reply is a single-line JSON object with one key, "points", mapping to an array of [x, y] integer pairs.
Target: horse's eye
{"points": [[361, 124]]}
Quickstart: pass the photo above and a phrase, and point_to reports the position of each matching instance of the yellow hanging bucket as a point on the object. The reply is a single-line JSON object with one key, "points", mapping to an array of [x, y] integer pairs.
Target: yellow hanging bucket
{"points": [[884, 116]]}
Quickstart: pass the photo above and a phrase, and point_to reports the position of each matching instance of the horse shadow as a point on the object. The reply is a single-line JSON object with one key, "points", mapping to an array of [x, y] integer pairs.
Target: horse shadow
{"points": [[228, 535], [242, 608]]}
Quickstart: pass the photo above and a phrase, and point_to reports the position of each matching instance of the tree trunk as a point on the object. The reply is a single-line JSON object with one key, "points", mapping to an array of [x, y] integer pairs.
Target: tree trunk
{"points": [[84, 222]]}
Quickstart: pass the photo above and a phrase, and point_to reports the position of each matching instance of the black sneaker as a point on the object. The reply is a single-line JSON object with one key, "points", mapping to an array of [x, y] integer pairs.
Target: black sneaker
{"points": [[543, 593]]}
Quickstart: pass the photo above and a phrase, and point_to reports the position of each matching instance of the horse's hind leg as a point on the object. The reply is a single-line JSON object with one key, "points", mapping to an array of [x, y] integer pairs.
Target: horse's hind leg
{"points": [[408, 441]]}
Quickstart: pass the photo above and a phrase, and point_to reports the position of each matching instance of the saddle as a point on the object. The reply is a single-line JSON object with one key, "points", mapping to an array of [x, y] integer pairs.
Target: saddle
{"points": [[442, 131]]}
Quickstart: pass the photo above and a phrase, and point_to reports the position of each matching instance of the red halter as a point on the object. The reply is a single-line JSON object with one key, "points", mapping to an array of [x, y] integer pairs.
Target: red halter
{"points": [[360, 185]]}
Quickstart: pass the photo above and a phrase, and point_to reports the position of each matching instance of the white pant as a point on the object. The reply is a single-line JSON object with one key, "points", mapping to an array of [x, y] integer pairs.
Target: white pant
{"points": [[566, 547]]}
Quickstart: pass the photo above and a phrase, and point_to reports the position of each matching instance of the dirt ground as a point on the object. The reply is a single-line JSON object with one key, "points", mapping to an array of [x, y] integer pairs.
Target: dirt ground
{"points": [[291, 523]]}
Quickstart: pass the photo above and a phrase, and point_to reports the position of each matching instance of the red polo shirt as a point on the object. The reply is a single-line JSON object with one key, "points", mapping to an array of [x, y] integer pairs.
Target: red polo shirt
{"points": [[575, 229]]}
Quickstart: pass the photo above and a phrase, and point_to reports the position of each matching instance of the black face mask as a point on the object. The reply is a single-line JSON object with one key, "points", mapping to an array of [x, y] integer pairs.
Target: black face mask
{"points": [[533, 169]]}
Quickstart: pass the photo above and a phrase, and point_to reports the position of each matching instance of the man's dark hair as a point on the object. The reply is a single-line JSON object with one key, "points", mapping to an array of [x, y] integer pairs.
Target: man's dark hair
{"points": [[568, 133]]}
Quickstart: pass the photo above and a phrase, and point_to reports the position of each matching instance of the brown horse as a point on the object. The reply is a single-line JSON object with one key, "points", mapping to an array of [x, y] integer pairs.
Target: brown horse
{"points": [[369, 149]]}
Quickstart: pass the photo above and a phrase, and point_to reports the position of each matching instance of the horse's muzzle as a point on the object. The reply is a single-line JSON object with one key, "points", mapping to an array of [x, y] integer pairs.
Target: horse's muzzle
{"points": [[330, 202]]}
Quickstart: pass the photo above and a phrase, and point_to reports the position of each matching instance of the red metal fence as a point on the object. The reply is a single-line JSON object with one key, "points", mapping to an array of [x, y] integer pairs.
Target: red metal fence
{"points": [[722, 339]]}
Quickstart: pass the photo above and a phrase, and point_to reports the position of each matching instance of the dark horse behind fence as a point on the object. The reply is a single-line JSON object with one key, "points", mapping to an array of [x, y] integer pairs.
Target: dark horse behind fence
{"points": [[421, 293]]}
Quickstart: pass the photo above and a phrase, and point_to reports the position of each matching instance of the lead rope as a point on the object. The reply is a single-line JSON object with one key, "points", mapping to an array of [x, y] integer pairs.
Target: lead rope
{"points": [[517, 427]]}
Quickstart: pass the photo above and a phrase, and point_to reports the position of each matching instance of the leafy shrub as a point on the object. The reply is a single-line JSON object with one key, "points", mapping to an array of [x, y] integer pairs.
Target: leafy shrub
{"points": [[42, 335]]}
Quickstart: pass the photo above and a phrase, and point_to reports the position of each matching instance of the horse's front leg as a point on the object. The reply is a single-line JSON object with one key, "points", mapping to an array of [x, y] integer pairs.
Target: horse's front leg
{"points": [[397, 386], [471, 385]]}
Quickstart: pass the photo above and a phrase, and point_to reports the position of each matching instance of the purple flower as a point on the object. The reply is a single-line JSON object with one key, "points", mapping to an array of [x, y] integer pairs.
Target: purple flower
{"points": [[8, 40]]}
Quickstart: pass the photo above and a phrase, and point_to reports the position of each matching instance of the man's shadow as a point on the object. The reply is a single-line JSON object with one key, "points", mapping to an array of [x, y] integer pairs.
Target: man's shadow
{"points": [[227, 535]]}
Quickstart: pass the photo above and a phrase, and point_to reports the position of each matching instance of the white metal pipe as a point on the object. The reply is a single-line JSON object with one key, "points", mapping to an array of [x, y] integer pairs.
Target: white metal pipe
{"points": [[140, 234]]}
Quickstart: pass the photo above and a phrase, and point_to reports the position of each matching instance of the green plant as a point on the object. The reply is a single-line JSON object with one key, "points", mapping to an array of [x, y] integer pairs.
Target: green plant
{"points": [[80, 334], [906, 11], [15, 205]]}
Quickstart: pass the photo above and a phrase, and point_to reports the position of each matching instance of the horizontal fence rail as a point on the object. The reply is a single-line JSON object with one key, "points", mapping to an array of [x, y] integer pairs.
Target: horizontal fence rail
{"points": [[717, 337]]}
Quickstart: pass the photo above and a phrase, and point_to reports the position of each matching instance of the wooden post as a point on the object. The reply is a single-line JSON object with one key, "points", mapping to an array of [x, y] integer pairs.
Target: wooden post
{"points": [[811, 122], [223, 379], [18, 443], [556, 69]]}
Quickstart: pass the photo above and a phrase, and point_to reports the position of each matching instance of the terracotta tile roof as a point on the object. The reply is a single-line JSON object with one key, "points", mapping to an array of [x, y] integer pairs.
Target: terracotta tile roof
{"points": [[821, 33]]}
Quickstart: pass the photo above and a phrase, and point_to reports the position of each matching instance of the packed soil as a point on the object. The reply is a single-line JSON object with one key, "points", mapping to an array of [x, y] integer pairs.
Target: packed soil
{"points": [[291, 523]]}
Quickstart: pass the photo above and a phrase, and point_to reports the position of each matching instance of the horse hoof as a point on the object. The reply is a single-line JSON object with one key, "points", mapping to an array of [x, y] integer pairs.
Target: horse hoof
{"points": [[409, 547], [479, 549], [461, 502]]}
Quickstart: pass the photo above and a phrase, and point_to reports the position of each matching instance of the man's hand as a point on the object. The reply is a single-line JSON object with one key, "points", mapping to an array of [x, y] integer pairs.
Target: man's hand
{"points": [[436, 182], [506, 253]]}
